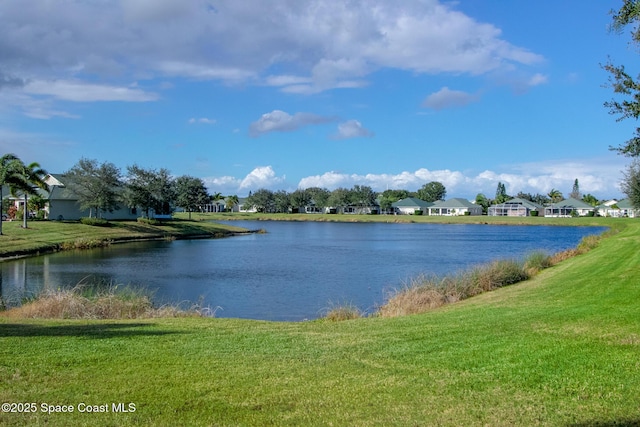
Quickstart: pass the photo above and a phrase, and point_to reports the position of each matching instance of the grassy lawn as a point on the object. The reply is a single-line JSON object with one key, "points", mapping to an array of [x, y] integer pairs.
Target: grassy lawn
{"points": [[560, 349], [496, 220], [50, 235]]}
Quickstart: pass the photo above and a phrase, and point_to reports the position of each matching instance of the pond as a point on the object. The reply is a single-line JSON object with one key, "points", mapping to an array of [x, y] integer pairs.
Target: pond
{"points": [[296, 271]]}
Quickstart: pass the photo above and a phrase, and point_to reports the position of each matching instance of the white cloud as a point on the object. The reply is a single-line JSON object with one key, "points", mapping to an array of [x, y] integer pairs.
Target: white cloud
{"points": [[594, 176], [325, 44], [352, 129], [202, 120], [259, 177], [447, 98], [538, 79], [86, 92], [280, 121]]}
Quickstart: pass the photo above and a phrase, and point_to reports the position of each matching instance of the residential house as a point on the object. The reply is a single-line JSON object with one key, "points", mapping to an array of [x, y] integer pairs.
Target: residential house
{"points": [[516, 207], [569, 207], [410, 205], [455, 207], [618, 209]]}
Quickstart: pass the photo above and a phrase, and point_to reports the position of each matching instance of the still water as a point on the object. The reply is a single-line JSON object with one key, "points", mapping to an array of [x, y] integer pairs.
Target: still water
{"points": [[297, 271]]}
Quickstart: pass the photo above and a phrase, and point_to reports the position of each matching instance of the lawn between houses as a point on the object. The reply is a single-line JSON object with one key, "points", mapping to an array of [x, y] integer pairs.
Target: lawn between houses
{"points": [[560, 349]]}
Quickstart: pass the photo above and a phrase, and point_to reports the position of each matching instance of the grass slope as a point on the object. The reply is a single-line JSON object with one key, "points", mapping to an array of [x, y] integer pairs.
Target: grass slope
{"points": [[561, 349], [43, 236]]}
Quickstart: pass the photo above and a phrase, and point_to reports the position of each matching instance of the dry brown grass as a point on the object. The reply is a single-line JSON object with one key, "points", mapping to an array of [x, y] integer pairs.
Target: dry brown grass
{"points": [[343, 312], [427, 293], [76, 303]]}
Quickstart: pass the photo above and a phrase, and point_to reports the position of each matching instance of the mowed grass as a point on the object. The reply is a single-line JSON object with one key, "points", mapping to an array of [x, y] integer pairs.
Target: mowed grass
{"points": [[53, 235], [560, 349], [435, 219]]}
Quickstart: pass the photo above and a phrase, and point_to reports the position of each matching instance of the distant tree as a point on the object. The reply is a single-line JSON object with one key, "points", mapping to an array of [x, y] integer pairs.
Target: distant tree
{"points": [[631, 183], [281, 201], [575, 191], [231, 202], [150, 189], [339, 198], [388, 197], [590, 199], [432, 192], [34, 175], [555, 195], [501, 193], [300, 198], [319, 196], [362, 196], [191, 193], [481, 200], [12, 175], [97, 186], [622, 81], [262, 200]]}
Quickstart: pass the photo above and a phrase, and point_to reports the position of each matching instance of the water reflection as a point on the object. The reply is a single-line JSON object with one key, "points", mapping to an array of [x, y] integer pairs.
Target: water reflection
{"points": [[293, 272]]}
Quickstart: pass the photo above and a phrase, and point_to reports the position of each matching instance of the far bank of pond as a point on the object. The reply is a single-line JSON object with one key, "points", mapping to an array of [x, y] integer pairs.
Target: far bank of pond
{"points": [[296, 271]]}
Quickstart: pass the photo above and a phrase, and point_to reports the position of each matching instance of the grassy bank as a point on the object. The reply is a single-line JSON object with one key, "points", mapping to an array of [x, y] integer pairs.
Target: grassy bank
{"points": [[495, 220], [559, 349], [47, 236]]}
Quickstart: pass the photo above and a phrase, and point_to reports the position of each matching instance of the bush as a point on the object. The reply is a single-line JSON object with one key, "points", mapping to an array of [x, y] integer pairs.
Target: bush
{"points": [[93, 302], [534, 213], [96, 222], [417, 212], [343, 312]]}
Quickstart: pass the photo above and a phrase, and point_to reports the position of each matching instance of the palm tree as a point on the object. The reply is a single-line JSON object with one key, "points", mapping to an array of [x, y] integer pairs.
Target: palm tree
{"points": [[231, 201], [34, 175], [12, 175], [555, 195], [215, 198]]}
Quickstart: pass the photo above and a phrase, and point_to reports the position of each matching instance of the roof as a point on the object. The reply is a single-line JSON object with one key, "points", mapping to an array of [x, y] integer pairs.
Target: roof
{"points": [[572, 203], [455, 203], [519, 201], [411, 202]]}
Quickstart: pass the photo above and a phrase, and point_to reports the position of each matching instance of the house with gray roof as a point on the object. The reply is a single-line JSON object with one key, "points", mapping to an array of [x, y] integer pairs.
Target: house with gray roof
{"points": [[62, 203], [410, 205], [516, 207], [619, 209], [455, 207], [569, 207]]}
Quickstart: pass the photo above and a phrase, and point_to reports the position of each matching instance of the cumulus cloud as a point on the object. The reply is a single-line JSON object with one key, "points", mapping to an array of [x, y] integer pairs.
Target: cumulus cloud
{"points": [[259, 177], [352, 129], [594, 176], [447, 98], [280, 121], [313, 46]]}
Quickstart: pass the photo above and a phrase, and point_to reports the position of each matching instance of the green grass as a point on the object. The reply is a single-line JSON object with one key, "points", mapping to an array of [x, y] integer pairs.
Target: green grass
{"points": [[496, 220], [43, 236], [560, 349]]}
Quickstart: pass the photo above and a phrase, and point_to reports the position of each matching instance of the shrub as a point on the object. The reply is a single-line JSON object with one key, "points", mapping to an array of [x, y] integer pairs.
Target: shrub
{"points": [[343, 312], [90, 302], [537, 261], [425, 293], [96, 222]]}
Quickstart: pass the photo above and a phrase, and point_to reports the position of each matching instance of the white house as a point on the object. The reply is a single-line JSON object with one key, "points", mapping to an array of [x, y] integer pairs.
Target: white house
{"points": [[569, 207], [455, 207], [515, 207], [410, 205]]}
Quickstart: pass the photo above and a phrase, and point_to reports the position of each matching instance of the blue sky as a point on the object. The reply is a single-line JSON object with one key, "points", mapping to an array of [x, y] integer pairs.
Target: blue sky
{"points": [[287, 94]]}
